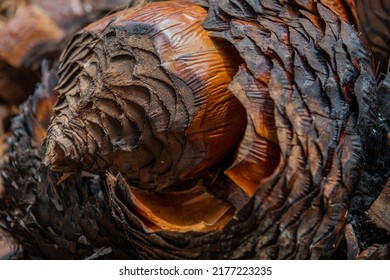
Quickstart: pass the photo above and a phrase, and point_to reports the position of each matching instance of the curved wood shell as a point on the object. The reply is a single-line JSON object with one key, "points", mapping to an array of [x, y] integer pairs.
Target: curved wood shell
{"points": [[145, 93]]}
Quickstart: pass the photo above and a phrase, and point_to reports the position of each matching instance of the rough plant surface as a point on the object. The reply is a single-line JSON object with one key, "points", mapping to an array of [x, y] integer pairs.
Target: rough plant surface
{"points": [[300, 174]]}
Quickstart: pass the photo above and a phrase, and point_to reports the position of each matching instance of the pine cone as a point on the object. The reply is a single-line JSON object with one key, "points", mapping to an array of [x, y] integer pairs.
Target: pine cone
{"points": [[216, 129]]}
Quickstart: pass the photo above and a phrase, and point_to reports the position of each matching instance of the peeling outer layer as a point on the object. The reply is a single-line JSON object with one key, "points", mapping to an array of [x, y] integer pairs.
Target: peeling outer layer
{"points": [[145, 93], [191, 210], [309, 67]]}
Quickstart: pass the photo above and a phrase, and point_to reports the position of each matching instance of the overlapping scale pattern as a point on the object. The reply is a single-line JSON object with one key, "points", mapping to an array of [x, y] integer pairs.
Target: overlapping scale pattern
{"points": [[291, 95], [309, 78], [145, 94]]}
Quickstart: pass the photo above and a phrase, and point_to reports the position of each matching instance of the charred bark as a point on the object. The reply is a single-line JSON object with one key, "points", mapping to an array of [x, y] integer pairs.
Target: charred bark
{"points": [[307, 157], [50, 217]]}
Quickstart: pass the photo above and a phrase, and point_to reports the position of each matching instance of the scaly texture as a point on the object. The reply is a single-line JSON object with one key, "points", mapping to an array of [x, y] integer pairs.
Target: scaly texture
{"points": [[314, 71], [52, 218], [145, 93], [313, 131]]}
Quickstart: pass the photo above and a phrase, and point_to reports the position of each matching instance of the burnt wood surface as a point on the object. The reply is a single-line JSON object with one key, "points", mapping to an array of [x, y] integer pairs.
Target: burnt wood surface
{"points": [[303, 70]]}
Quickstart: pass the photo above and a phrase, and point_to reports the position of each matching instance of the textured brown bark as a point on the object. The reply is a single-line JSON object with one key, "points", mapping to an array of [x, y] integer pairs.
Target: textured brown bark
{"points": [[306, 158]]}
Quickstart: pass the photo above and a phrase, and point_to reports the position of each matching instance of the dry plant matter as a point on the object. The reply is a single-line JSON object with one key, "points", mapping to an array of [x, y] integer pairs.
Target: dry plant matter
{"points": [[204, 129]]}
